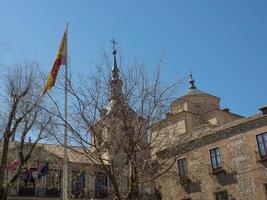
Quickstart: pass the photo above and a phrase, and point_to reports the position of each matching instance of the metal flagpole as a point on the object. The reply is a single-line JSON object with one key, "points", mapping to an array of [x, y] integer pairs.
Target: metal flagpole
{"points": [[65, 160]]}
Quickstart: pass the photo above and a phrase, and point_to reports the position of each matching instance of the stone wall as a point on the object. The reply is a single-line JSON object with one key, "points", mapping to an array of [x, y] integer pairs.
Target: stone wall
{"points": [[243, 177]]}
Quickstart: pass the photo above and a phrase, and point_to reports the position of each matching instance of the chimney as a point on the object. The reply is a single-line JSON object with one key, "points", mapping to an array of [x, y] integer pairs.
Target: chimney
{"points": [[263, 109]]}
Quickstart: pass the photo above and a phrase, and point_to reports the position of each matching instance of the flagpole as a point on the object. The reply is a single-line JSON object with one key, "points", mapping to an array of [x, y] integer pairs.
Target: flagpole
{"points": [[65, 160]]}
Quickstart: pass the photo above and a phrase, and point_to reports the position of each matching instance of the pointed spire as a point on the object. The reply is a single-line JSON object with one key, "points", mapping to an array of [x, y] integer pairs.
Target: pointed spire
{"points": [[116, 83], [191, 82], [115, 70]]}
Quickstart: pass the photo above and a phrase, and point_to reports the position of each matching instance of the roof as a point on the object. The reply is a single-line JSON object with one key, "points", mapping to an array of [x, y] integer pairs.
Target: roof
{"points": [[193, 89], [194, 92], [75, 154], [208, 133]]}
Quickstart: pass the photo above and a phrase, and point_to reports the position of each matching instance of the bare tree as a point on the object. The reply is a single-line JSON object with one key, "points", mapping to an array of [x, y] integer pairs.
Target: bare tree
{"points": [[21, 116], [120, 111]]}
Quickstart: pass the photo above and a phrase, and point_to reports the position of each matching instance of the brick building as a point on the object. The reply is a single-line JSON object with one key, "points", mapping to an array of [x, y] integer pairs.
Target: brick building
{"points": [[220, 155]]}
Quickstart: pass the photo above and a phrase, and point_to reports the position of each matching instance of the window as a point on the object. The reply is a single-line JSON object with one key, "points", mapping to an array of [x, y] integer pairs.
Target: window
{"points": [[101, 185], [262, 144], [221, 195], [215, 158], [53, 183], [182, 167], [78, 183]]}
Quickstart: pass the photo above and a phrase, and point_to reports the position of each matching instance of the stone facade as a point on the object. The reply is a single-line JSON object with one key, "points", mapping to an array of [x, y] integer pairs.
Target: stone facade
{"points": [[49, 185], [197, 132], [111, 156], [122, 135], [241, 174]]}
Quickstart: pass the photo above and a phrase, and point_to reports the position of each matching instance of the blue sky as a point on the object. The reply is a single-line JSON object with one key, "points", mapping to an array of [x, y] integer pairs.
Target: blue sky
{"points": [[224, 43]]}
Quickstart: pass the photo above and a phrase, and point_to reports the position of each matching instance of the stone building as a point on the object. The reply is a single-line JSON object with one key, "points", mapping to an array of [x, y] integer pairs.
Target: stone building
{"points": [[42, 177], [220, 155], [121, 135], [117, 126]]}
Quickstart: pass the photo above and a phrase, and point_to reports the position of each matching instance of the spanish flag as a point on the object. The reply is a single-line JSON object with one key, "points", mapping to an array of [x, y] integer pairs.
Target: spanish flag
{"points": [[61, 59]]}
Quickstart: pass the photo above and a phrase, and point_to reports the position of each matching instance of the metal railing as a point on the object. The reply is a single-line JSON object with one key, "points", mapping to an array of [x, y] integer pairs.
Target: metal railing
{"points": [[260, 158], [217, 170]]}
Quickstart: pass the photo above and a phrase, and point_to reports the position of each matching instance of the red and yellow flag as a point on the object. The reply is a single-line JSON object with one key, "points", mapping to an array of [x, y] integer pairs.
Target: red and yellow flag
{"points": [[61, 59]]}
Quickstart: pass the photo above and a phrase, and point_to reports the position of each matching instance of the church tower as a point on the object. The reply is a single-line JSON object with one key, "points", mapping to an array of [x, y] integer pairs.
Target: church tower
{"points": [[117, 109]]}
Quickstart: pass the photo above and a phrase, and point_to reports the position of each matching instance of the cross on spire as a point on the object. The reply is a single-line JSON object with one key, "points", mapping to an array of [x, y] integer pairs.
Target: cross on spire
{"points": [[115, 70], [113, 41]]}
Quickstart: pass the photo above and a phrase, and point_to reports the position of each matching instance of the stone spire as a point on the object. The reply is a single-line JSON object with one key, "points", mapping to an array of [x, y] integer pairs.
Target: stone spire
{"points": [[116, 83], [191, 82]]}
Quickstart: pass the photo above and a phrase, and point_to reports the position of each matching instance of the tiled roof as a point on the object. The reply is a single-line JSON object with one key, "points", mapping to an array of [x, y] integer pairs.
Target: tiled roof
{"points": [[75, 156], [194, 92]]}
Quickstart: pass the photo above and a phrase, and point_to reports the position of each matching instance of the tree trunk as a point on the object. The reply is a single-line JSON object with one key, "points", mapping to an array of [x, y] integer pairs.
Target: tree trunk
{"points": [[115, 187], [3, 191]]}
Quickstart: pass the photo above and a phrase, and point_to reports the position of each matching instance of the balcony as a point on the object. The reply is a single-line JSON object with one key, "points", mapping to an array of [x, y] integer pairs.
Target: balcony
{"points": [[223, 175], [217, 170], [189, 183], [262, 159]]}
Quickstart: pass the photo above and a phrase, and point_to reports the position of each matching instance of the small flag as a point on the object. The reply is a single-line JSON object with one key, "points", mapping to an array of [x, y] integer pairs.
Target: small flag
{"points": [[61, 59], [44, 170], [13, 165], [36, 170]]}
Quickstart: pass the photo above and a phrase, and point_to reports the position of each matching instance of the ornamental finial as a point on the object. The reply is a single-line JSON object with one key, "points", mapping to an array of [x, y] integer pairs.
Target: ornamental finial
{"points": [[191, 82]]}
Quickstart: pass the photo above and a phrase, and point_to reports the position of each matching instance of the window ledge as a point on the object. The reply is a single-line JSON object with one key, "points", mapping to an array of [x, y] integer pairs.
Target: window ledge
{"points": [[217, 171]]}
